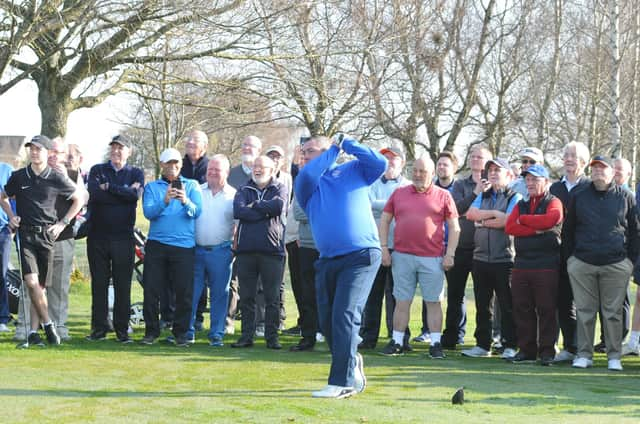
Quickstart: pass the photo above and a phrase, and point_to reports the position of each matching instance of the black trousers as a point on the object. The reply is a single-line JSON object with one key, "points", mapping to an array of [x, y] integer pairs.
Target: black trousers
{"points": [[566, 311], [110, 259], [252, 269], [372, 315], [167, 266], [308, 303], [456, 316], [293, 263], [490, 279]]}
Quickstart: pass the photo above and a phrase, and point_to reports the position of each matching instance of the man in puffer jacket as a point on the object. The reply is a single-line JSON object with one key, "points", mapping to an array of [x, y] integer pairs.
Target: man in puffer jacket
{"points": [[260, 206]]}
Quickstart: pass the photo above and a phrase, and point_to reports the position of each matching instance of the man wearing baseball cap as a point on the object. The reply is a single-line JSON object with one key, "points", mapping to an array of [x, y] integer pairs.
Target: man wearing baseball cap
{"points": [[529, 156], [379, 192], [493, 259], [35, 189], [114, 189], [602, 240], [536, 224], [171, 204]]}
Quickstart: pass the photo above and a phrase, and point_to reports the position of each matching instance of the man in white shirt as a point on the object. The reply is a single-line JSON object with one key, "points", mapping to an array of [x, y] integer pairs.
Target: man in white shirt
{"points": [[214, 233]]}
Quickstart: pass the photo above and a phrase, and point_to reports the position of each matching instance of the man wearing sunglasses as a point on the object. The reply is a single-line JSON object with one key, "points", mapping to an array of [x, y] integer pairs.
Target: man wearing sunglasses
{"points": [[528, 157]]}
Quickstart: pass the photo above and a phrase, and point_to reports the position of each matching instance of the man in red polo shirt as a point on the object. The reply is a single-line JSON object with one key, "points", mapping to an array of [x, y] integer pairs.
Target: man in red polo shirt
{"points": [[420, 211]]}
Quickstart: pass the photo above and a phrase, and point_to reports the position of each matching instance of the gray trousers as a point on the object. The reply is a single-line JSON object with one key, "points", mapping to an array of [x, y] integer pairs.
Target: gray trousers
{"points": [[58, 288], [599, 288]]}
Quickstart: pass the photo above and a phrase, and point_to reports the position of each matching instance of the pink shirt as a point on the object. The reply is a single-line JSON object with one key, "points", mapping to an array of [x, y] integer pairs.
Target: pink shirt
{"points": [[420, 219]]}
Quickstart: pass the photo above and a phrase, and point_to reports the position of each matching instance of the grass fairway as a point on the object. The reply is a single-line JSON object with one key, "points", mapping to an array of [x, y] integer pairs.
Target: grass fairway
{"points": [[105, 382]]}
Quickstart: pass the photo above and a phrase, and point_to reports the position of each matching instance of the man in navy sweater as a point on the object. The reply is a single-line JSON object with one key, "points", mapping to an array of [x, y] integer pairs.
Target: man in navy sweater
{"points": [[114, 189], [336, 201]]}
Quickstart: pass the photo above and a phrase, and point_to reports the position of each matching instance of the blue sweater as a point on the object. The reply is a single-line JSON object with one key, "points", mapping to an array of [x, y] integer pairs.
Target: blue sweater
{"points": [[172, 224], [336, 199]]}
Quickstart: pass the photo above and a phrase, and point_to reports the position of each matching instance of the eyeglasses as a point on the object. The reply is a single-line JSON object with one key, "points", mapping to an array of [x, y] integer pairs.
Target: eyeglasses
{"points": [[528, 161]]}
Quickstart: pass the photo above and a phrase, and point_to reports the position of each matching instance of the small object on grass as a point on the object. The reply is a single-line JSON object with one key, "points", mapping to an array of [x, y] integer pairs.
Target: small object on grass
{"points": [[458, 397]]}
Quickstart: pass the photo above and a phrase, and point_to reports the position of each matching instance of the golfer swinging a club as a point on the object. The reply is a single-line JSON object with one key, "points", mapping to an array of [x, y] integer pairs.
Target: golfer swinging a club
{"points": [[35, 189]]}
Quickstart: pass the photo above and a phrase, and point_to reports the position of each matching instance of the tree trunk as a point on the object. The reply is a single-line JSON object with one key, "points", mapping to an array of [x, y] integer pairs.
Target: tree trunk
{"points": [[55, 104]]}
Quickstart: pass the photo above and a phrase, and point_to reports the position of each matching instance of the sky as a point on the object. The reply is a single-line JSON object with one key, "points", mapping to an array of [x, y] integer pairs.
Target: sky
{"points": [[91, 129]]}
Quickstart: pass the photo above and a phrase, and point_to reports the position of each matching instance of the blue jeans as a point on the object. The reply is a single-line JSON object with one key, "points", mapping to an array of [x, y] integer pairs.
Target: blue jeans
{"points": [[343, 284], [213, 269], [5, 251]]}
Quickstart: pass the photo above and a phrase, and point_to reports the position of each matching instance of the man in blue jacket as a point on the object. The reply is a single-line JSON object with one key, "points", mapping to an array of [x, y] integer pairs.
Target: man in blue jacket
{"points": [[171, 204], [336, 200], [260, 206]]}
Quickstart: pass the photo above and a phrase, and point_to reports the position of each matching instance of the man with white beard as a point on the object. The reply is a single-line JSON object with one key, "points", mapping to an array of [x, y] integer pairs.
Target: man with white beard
{"points": [[260, 207]]}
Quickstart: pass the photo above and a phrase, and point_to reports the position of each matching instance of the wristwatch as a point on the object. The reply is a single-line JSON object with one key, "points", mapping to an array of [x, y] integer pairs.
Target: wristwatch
{"points": [[66, 221]]}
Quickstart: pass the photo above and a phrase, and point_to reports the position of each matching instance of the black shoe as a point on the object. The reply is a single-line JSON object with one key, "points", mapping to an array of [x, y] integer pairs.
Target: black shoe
{"points": [[293, 331], [600, 348], [243, 343], [547, 361], [367, 345], [303, 345], [96, 336], [52, 334], [124, 338], [407, 347], [274, 344], [435, 351], [392, 349], [523, 358], [148, 340], [182, 342], [34, 339]]}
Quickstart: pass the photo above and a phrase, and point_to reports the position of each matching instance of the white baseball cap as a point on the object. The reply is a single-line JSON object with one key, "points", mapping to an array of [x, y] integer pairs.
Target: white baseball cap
{"points": [[170, 154]]}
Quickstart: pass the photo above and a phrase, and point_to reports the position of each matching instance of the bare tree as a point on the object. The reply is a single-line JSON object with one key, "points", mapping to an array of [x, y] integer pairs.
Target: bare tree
{"points": [[85, 50]]}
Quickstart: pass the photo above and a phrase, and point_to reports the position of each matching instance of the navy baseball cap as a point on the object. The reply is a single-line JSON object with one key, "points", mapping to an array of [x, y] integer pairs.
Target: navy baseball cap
{"points": [[41, 141], [603, 160], [537, 170], [499, 162], [121, 140]]}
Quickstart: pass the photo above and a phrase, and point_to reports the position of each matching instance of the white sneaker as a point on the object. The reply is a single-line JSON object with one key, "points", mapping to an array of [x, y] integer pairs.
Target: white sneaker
{"points": [[564, 356], [20, 334], [359, 379], [260, 331], [423, 338], [4, 328], [334, 392], [319, 337], [628, 350], [615, 365], [582, 363], [508, 353], [476, 352]]}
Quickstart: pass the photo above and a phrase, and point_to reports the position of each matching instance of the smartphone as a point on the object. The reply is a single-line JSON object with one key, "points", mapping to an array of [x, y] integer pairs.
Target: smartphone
{"points": [[483, 175], [304, 140], [177, 184]]}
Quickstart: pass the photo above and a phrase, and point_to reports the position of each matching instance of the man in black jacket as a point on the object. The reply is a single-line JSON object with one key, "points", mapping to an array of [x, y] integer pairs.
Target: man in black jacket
{"points": [[601, 240], [114, 189], [260, 206]]}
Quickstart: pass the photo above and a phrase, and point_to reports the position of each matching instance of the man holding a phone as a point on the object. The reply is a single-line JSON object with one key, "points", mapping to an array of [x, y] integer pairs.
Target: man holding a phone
{"points": [[171, 204]]}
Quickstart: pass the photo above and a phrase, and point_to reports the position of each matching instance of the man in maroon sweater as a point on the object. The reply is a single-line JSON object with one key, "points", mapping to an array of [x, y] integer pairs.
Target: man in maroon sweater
{"points": [[536, 225]]}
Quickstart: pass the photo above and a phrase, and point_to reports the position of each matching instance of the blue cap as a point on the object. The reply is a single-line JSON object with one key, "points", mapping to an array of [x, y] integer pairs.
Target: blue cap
{"points": [[499, 162], [536, 170]]}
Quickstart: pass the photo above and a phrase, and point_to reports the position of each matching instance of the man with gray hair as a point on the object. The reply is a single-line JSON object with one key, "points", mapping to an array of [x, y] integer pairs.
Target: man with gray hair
{"points": [[260, 207], [214, 233], [574, 158], [64, 246]]}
